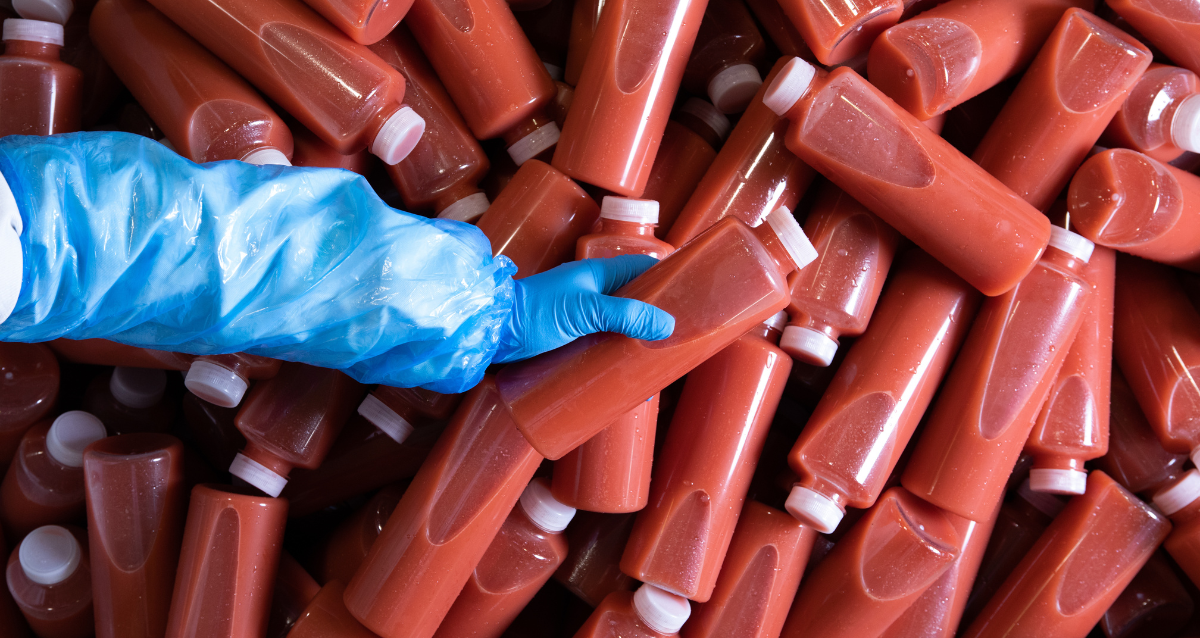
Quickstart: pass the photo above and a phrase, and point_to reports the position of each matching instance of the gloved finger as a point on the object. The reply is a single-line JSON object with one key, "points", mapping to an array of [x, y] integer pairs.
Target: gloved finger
{"points": [[614, 272], [632, 318]]}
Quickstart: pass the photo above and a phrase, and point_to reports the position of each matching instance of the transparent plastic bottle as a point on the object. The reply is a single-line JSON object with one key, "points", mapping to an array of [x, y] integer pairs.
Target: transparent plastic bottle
{"points": [[592, 569], [648, 613], [1161, 116], [726, 56], [400, 411], [341, 555], [41, 94], [836, 32], [366, 21], [1136, 459], [1173, 26], [131, 400], [689, 146], [29, 383], [224, 378], [49, 578], [1154, 603]]}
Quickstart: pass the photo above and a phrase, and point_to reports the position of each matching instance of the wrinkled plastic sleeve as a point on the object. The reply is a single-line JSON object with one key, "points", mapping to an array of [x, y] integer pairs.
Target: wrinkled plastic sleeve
{"points": [[128, 241]]}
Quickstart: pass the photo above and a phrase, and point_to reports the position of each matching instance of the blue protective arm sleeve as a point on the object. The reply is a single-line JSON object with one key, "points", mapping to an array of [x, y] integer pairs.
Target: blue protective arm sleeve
{"points": [[125, 240]]}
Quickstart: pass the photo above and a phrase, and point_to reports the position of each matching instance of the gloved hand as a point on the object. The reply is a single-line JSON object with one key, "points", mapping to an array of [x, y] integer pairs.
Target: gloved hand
{"points": [[555, 307]]}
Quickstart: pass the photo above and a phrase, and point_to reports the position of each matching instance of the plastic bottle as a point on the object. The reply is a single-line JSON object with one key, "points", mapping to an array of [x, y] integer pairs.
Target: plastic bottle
{"points": [[29, 380], [839, 31], [231, 546], [863, 423], [326, 616], [648, 613], [592, 568], [780, 30], [1128, 201], [1154, 603], [341, 555], [999, 382], [490, 70], [131, 400], [12, 623], [721, 285], [1074, 87], [836, 297], [1156, 340], [292, 421], [443, 170], [41, 94], [224, 378], [759, 577], [889, 558], [366, 21], [49, 579], [726, 56], [44, 483], [336, 87], [207, 111], [1078, 566], [294, 589], [1136, 459], [442, 526], [752, 175], [135, 497], [101, 352], [704, 469], [1072, 426], [1173, 26], [585, 16], [611, 471], [689, 146], [537, 218], [398, 412], [959, 49], [1161, 116], [625, 92], [928, 191], [519, 560]]}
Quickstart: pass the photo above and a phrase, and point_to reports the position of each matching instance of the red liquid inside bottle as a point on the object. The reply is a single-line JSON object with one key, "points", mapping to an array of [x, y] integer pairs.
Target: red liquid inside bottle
{"points": [[41, 93], [131, 400], [29, 380], [51, 583]]}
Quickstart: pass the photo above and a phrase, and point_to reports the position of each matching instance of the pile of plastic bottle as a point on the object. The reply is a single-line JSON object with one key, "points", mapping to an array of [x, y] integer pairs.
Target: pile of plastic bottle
{"points": [[961, 402]]}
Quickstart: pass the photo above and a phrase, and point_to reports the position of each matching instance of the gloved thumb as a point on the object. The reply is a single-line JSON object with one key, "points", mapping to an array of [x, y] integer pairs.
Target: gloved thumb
{"points": [[631, 318]]}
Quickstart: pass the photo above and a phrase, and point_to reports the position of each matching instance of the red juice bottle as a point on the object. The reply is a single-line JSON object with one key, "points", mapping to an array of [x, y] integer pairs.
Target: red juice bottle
{"points": [[1136, 458], [131, 400], [12, 623], [726, 56], [50, 581], [721, 285], [1173, 26], [585, 16], [213, 431], [1180, 499], [1154, 603], [999, 382], [326, 616], [224, 378], [398, 412], [292, 421], [341, 555], [101, 352], [592, 568], [41, 93], [29, 381], [336, 87], [1161, 115], [519, 560], [443, 524], [231, 546], [689, 146], [207, 111], [366, 21], [135, 504], [837, 32], [780, 30], [926, 189], [44, 484], [293, 590], [648, 613], [443, 170], [837, 295], [857, 433]]}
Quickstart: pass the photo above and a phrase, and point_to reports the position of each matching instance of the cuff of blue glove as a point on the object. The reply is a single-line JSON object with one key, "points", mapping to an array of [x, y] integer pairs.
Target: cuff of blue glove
{"points": [[12, 262]]}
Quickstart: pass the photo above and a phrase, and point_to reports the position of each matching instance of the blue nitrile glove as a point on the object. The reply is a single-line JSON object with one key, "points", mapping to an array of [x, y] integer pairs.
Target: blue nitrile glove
{"points": [[562, 304], [111, 235]]}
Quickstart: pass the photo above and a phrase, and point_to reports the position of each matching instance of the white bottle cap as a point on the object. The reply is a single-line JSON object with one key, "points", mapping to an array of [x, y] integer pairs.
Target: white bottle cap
{"points": [[216, 384], [555, 71], [708, 114], [167, 143], [398, 136], [138, 388], [12, 258], [788, 230], [628, 209], [266, 157], [49, 555], [467, 209], [385, 418], [815, 510], [1057, 481], [1047, 504], [57, 11], [257, 474], [661, 610], [1178, 496], [70, 434], [789, 86], [543, 509], [1077, 246], [810, 346], [33, 31], [732, 89], [1185, 126], [777, 321], [531, 145]]}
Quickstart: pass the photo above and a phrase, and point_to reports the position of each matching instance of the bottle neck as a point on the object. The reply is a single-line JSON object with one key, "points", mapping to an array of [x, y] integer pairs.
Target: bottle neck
{"points": [[1063, 260], [782, 258], [25, 48], [624, 228]]}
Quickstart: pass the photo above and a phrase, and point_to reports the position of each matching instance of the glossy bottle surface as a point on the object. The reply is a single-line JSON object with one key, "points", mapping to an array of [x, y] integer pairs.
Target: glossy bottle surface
{"points": [[585, 15], [1136, 458], [1078, 567], [350, 542], [327, 617], [206, 109], [683, 159], [839, 31], [366, 21], [1154, 604], [591, 569], [617, 617], [62, 609], [724, 58], [41, 94], [703, 472], [1145, 121], [1172, 25], [29, 381], [1076, 84], [135, 502]]}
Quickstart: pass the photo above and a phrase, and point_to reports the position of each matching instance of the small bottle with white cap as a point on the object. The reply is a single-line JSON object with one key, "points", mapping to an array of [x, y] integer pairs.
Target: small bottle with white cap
{"points": [[131, 400], [40, 94], [222, 380], [724, 57], [705, 120], [44, 484], [626, 228], [1161, 115], [523, 555], [689, 146], [51, 581], [397, 412], [1180, 500], [649, 612]]}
